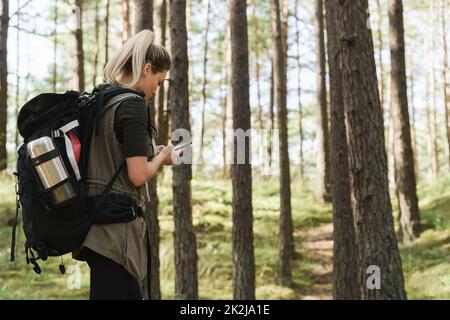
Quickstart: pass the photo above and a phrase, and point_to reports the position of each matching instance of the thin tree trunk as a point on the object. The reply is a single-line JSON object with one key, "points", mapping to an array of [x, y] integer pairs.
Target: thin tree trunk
{"points": [[271, 112], [4, 21], [323, 156], [126, 25], [151, 285], [445, 75], [78, 60], [243, 255], [55, 45], [257, 41], [345, 279], [16, 133], [97, 46], [107, 33], [204, 80], [299, 94], [434, 136], [162, 114], [186, 281], [378, 255], [413, 114], [286, 239], [229, 106], [380, 53], [403, 152], [143, 15]]}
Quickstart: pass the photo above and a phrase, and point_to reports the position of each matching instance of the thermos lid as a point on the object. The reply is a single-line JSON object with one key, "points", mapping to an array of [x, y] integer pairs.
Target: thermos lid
{"points": [[40, 146]]}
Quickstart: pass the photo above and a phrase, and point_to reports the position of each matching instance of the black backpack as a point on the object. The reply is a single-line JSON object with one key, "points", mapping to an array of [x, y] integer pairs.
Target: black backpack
{"points": [[70, 120]]}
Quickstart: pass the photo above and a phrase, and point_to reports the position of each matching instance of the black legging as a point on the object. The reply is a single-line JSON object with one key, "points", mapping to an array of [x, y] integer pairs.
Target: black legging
{"points": [[109, 280]]}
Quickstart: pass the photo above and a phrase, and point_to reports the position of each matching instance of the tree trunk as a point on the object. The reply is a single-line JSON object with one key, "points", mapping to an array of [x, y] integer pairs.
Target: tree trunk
{"points": [[204, 80], [323, 156], [186, 282], [162, 114], [380, 53], [55, 45], [271, 113], [78, 60], [243, 255], [126, 25], [299, 94], [4, 21], [17, 106], [345, 271], [286, 238], [371, 205], [446, 85], [107, 33], [144, 21], [257, 41], [403, 153], [97, 46], [143, 15]]}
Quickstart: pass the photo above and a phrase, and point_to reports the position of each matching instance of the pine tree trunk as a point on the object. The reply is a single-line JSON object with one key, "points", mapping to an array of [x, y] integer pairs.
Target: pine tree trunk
{"points": [[126, 25], [403, 153], [323, 156], [162, 114], [97, 46], [78, 60], [380, 53], [299, 94], [55, 45], [144, 21], [107, 33], [204, 80], [271, 113], [371, 205], [445, 76], [243, 255], [345, 279], [143, 15], [4, 20], [286, 239], [186, 282]]}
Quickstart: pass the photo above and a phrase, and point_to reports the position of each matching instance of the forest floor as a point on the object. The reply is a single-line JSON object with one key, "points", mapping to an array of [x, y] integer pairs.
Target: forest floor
{"points": [[426, 262]]}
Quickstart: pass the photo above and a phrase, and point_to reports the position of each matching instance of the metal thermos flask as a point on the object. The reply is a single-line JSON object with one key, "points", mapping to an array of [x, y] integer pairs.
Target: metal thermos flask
{"points": [[52, 171]]}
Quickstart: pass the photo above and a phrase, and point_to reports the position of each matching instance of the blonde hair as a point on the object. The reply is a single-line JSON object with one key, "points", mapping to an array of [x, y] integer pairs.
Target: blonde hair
{"points": [[132, 57]]}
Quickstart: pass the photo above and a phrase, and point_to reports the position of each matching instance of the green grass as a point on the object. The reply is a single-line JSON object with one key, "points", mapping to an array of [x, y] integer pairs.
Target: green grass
{"points": [[426, 262]]}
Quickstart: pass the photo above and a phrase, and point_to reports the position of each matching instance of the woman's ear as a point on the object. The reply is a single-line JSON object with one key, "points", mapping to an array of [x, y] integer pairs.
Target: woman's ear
{"points": [[148, 69]]}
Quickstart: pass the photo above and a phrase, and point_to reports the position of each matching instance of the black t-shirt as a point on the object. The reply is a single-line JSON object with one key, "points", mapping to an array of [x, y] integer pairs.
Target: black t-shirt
{"points": [[132, 126]]}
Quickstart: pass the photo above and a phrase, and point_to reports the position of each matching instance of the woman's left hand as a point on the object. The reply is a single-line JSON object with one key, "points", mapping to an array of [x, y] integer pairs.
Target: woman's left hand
{"points": [[158, 149]]}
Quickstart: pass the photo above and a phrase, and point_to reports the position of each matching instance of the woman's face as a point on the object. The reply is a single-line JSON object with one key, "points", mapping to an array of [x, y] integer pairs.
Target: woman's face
{"points": [[150, 81]]}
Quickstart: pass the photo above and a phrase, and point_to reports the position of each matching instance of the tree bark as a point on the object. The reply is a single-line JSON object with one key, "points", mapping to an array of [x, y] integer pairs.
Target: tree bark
{"points": [[271, 113], [186, 282], [78, 60], [243, 255], [144, 21], [107, 33], [143, 15], [4, 21], [445, 75], [345, 279], [162, 111], [55, 44], [403, 152], [97, 46], [371, 205], [286, 238], [126, 25], [323, 155], [380, 53], [299, 95], [204, 80]]}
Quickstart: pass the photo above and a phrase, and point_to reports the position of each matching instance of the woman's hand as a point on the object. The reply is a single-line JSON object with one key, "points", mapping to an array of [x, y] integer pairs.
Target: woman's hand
{"points": [[158, 149]]}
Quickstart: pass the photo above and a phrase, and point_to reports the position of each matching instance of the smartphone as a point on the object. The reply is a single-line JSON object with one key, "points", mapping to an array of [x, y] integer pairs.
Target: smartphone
{"points": [[182, 145]]}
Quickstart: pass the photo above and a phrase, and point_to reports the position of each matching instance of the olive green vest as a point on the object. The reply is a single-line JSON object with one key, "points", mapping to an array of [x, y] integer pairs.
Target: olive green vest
{"points": [[106, 156]]}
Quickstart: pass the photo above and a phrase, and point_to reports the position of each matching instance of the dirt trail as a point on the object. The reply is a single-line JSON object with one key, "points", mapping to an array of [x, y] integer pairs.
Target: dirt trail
{"points": [[318, 244]]}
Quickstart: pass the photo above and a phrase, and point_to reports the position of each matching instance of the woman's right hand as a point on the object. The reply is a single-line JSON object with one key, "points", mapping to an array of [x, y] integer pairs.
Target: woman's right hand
{"points": [[166, 155]]}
